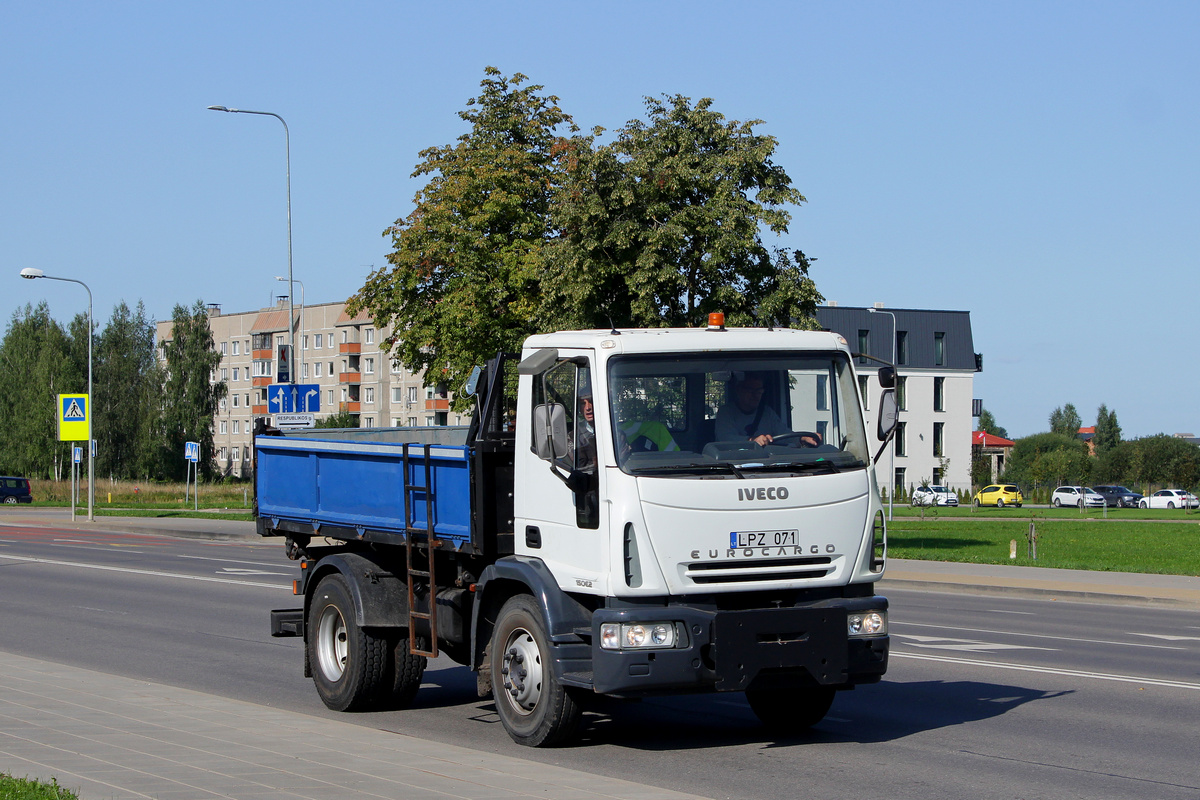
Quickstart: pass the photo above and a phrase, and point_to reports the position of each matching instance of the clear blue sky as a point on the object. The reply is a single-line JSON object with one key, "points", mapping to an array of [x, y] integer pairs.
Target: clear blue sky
{"points": [[1033, 163]]}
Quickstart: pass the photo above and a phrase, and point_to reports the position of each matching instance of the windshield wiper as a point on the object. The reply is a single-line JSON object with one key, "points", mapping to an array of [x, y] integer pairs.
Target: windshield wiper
{"points": [[710, 466], [820, 465]]}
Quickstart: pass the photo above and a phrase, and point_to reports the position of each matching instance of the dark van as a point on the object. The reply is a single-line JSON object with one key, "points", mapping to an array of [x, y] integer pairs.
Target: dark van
{"points": [[15, 490]]}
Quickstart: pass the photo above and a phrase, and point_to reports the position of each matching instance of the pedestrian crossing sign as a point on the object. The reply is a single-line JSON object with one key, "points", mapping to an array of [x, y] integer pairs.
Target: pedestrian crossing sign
{"points": [[72, 417]]}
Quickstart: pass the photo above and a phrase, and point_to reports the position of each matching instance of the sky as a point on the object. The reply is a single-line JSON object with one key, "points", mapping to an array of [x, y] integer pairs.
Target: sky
{"points": [[1033, 163]]}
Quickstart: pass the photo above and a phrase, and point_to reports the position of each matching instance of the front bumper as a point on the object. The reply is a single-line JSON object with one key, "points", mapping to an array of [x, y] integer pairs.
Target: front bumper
{"points": [[730, 651]]}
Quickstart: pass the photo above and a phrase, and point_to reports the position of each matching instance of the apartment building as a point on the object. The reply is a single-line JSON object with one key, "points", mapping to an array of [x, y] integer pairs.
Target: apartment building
{"points": [[936, 362], [336, 353]]}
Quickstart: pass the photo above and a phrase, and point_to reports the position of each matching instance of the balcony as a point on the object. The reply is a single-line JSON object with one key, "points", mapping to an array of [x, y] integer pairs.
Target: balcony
{"points": [[262, 355], [264, 380], [351, 348], [352, 406], [259, 411], [349, 377], [437, 404]]}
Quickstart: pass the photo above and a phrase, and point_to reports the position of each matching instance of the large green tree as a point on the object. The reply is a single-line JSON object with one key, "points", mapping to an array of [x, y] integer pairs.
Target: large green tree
{"points": [[1065, 420], [1108, 430], [665, 224], [128, 388], [1048, 459], [191, 394], [38, 366], [465, 277]]}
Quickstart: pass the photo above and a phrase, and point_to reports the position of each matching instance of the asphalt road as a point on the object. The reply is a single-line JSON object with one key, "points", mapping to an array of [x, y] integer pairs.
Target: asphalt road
{"points": [[986, 697]]}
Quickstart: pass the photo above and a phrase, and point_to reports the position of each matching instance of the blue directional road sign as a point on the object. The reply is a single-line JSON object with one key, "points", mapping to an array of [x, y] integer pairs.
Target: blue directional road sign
{"points": [[287, 398]]}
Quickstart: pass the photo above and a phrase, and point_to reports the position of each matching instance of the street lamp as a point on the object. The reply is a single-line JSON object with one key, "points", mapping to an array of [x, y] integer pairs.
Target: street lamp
{"points": [[287, 146], [31, 273], [892, 449], [298, 357]]}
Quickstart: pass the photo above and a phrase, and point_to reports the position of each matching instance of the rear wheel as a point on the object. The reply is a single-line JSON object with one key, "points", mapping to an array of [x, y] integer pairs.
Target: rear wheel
{"points": [[534, 707], [1170, 504], [407, 671], [790, 710], [10, 500], [999, 502], [350, 665]]}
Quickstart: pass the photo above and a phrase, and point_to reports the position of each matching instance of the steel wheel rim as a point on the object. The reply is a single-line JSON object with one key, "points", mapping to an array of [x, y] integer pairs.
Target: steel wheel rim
{"points": [[522, 672], [332, 643]]}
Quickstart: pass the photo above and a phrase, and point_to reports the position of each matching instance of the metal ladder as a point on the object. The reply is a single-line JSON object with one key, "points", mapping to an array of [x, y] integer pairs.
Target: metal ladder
{"points": [[422, 568]]}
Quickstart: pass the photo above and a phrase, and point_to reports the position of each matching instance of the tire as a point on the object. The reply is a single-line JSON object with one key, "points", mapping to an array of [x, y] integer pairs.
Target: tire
{"points": [[1143, 504], [350, 666], [407, 672], [790, 710], [1018, 505], [999, 502], [535, 709], [1057, 503], [10, 500], [1170, 504]]}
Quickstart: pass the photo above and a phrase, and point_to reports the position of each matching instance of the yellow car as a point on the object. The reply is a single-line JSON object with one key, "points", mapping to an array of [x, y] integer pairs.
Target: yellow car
{"points": [[999, 495]]}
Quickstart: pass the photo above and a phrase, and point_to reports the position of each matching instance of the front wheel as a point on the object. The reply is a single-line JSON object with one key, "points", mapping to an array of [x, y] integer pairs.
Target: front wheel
{"points": [[790, 710], [534, 707], [1143, 504], [350, 666], [1057, 503]]}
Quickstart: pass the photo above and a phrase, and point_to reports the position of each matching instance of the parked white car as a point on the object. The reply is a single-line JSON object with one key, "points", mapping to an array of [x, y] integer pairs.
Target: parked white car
{"points": [[1170, 498], [1077, 496], [933, 496]]}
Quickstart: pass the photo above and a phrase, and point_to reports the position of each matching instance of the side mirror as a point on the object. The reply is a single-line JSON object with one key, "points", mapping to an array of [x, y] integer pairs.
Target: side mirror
{"points": [[888, 414], [550, 431], [887, 377]]}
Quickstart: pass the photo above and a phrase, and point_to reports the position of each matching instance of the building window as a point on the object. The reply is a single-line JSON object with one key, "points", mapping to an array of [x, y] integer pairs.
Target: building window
{"points": [[344, 339], [939, 349], [901, 347], [863, 383], [938, 449], [412, 422], [235, 373], [369, 366], [304, 342], [223, 454], [937, 476], [304, 370], [235, 400], [246, 397], [939, 394], [222, 403], [369, 335], [369, 396], [397, 394], [863, 342], [224, 374], [224, 348], [412, 394], [237, 454], [898, 477], [902, 393], [822, 396], [262, 341], [237, 427], [330, 400], [316, 341], [235, 347], [395, 367], [224, 427], [395, 422], [901, 445], [368, 422], [316, 368]]}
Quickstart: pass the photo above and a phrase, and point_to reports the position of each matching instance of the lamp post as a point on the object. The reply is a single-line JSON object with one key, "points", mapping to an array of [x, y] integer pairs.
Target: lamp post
{"points": [[297, 355], [287, 146], [31, 273], [892, 449]]}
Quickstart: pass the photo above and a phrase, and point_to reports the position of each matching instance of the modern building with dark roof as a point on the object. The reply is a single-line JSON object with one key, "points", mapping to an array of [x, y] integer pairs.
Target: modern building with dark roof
{"points": [[936, 362]]}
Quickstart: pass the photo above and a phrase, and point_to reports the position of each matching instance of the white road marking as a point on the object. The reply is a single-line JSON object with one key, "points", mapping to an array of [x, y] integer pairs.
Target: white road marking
{"points": [[967, 645], [1167, 637], [1003, 611], [1070, 673], [1034, 635], [243, 571], [154, 573], [231, 561]]}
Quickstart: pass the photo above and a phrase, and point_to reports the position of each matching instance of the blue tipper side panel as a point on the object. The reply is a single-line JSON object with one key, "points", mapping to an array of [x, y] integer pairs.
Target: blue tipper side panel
{"points": [[359, 485]]}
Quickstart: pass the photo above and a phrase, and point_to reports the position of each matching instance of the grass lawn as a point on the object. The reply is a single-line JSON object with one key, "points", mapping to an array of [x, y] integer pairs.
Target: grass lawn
{"points": [[1128, 541], [23, 789]]}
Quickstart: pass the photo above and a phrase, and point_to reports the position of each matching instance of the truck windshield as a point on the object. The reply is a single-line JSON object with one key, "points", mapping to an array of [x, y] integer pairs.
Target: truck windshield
{"points": [[733, 414]]}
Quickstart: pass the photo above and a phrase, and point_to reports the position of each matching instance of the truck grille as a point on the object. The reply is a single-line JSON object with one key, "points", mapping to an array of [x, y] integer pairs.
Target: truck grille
{"points": [[781, 569]]}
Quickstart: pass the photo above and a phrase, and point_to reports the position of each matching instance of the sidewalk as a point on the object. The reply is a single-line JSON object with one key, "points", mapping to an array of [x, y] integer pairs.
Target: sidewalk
{"points": [[115, 738]]}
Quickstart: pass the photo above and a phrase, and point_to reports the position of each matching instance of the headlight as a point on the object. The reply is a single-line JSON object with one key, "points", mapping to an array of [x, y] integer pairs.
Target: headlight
{"points": [[637, 635], [867, 623]]}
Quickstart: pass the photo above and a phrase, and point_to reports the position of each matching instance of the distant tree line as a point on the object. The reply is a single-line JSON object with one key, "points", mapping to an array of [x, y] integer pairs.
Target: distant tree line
{"points": [[143, 409], [1061, 457]]}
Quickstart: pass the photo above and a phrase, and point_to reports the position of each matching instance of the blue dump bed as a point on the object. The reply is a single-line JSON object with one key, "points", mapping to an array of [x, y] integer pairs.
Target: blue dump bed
{"points": [[349, 486]]}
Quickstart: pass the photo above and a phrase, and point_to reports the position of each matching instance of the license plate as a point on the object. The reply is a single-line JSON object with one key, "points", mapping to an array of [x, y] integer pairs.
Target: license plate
{"points": [[738, 539]]}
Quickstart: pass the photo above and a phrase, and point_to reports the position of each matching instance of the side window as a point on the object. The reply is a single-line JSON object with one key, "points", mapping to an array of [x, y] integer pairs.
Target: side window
{"points": [[564, 433]]}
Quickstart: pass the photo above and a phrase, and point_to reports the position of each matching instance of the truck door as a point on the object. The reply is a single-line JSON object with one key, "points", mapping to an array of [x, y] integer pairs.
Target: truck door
{"points": [[558, 497]]}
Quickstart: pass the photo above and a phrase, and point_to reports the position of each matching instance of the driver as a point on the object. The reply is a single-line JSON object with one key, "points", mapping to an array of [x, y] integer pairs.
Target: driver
{"points": [[748, 417]]}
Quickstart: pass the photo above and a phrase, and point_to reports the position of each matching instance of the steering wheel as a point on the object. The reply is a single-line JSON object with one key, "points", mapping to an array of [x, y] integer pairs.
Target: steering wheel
{"points": [[798, 437]]}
